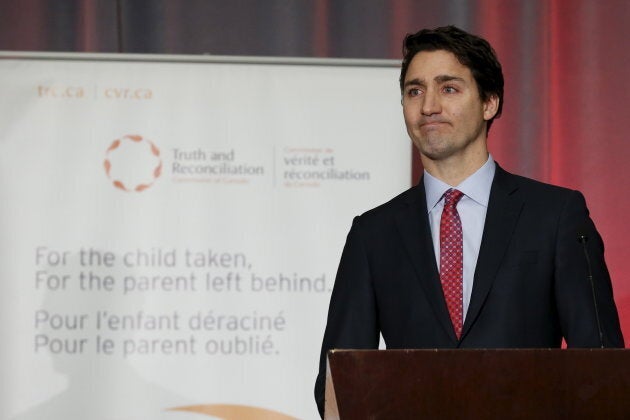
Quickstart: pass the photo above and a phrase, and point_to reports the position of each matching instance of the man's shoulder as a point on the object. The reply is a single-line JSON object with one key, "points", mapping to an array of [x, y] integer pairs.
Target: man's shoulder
{"points": [[539, 197], [388, 210], [532, 188]]}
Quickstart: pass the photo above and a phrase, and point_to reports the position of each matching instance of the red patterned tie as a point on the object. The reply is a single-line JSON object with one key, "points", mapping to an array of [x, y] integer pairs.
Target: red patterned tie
{"points": [[451, 258]]}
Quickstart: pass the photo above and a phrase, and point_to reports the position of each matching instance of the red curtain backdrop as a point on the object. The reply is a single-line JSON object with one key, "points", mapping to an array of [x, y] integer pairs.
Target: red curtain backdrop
{"points": [[566, 64], [567, 110]]}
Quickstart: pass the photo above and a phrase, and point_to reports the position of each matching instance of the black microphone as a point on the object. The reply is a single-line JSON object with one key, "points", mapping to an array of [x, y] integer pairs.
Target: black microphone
{"points": [[583, 238]]}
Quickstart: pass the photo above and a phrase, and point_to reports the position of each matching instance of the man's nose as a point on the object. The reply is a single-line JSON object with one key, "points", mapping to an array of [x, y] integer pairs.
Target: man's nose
{"points": [[431, 104]]}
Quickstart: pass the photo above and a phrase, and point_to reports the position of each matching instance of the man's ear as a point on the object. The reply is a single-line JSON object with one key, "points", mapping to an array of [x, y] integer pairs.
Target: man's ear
{"points": [[490, 107]]}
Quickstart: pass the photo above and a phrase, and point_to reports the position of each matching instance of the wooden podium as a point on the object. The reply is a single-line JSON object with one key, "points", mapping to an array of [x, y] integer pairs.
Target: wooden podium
{"points": [[478, 384]]}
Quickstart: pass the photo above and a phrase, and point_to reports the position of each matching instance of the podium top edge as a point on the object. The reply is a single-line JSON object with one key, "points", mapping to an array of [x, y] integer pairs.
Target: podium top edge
{"points": [[480, 350]]}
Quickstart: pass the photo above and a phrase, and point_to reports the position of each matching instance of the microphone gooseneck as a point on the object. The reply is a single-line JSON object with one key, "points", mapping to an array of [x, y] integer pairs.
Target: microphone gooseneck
{"points": [[583, 239]]}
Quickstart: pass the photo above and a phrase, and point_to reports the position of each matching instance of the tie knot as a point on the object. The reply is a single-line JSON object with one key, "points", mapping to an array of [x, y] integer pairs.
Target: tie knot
{"points": [[452, 197]]}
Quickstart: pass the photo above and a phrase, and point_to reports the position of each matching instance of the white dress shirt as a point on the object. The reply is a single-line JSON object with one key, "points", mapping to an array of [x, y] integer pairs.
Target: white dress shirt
{"points": [[472, 210]]}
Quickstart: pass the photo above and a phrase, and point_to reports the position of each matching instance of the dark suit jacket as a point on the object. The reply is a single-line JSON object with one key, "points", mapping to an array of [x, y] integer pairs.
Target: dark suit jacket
{"points": [[530, 284]]}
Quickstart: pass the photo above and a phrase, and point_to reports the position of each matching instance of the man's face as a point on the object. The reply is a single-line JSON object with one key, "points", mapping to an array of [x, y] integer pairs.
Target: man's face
{"points": [[443, 111]]}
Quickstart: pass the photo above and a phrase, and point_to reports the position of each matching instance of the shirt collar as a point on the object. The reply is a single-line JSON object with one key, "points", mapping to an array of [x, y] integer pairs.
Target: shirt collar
{"points": [[476, 186]]}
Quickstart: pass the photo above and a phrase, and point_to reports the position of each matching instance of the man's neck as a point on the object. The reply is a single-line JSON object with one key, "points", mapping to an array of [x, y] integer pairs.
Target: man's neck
{"points": [[455, 169]]}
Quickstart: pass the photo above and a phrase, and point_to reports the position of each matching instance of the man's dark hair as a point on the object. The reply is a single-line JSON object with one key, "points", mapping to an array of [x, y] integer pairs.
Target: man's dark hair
{"points": [[471, 51]]}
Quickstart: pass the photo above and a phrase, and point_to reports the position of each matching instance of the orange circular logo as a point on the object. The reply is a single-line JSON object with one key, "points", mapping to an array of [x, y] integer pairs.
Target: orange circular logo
{"points": [[133, 163]]}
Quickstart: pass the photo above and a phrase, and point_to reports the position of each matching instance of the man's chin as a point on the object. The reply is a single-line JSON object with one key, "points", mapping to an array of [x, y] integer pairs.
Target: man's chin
{"points": [[436, 150], [436, 157]]}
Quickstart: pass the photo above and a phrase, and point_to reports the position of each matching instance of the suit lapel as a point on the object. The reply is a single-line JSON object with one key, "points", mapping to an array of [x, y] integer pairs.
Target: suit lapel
{"points": [[413, 226], [504, 208]]}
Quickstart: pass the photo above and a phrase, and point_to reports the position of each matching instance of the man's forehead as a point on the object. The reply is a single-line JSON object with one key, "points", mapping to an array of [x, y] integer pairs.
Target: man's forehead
{"points": [[439, 66]]}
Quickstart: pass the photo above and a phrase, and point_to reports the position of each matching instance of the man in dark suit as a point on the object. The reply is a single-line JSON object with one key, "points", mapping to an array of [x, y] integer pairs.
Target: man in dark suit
{"points": [[473, 256]]}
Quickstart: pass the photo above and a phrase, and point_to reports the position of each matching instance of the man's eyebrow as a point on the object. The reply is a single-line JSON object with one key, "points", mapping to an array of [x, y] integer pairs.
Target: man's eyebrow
{"points": [[443, 78], [414, 82], [448, 78]]}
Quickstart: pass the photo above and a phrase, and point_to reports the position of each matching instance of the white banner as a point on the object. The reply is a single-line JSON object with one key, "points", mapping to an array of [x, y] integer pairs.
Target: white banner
{"points": [[171, 229]]}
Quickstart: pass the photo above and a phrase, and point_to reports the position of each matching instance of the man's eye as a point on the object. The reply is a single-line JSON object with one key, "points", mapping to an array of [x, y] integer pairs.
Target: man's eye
{"points": [[449, 89], [413, 92]]}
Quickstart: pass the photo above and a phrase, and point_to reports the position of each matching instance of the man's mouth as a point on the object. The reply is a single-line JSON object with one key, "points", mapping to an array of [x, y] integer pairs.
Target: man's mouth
{"points": [[432, 124]]}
